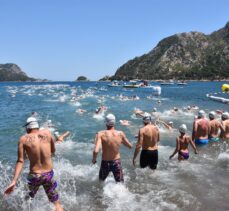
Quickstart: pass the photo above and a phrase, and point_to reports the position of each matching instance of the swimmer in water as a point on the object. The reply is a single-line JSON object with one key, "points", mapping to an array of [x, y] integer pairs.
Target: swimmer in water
{"points": [[124, 122], [100, 109], [174, 110], [168, 125], [182, 143], [155, 114], [80, 111], [55, 133], [138, 112]]}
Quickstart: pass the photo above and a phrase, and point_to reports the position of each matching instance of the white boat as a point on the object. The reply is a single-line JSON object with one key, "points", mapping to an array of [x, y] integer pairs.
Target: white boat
{"points": [[155, 89], [133, 85], [179, 83], [114, 84], [170, 82]]}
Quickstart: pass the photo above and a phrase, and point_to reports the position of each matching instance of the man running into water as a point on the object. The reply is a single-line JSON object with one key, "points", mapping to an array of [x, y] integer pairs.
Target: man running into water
{"points": [[110, 140], [200, 129], [214, 127], [225, 126], [182, 143], [39, 146], [148, 138]]}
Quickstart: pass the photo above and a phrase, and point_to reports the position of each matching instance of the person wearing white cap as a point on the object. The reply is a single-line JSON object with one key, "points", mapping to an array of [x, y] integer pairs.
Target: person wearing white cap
{"points": [[182, 143], [200, 129], [148, 138], [214, 127], [110, 140], [39, 146], [225, 126]]}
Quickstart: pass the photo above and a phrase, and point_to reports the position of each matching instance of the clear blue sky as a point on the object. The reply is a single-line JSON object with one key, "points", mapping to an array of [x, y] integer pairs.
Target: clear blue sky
{"points": [[63, 39]]}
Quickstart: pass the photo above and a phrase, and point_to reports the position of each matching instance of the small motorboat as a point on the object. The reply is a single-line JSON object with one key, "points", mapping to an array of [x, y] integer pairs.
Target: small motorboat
{"points": [[167, 83], [114, 84], [181, 83]]}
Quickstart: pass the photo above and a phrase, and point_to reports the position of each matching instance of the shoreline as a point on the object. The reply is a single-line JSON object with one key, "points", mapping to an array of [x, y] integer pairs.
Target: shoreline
{"points": [[159, 80]]}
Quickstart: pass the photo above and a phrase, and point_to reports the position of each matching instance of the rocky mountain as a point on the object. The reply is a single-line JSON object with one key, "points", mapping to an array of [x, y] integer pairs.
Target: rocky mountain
{"points": [[192, 55], [12, 72]]}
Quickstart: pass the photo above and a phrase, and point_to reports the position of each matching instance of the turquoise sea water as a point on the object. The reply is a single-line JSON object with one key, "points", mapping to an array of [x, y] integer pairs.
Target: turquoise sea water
{"points": [[198, 184]]}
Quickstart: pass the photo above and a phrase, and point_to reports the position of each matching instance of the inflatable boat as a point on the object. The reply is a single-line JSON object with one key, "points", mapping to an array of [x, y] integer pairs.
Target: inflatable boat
{"points": [[219, 99]]}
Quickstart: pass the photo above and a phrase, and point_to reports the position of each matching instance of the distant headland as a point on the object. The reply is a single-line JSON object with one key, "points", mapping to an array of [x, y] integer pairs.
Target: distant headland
{"points": [[12, 72], [184, 56]]}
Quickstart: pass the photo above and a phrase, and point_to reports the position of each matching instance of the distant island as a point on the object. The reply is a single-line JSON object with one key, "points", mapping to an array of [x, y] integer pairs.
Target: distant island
{"points": [[82, 78], [184, 56]]}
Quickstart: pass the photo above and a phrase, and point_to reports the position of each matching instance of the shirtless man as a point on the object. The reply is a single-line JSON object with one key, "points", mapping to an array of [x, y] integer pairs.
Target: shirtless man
{"points": [[110, 140], [39, 147], [182, 143], [200, 129], [225, 126], [214, 127], [148, 138]]}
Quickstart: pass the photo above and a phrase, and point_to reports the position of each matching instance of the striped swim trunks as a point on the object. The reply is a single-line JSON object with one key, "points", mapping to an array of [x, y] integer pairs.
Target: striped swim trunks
{"points": [[48, 183]]}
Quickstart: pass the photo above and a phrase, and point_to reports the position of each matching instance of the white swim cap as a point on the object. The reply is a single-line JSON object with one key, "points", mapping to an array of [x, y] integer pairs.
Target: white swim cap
{"points": [[31, 123], [225, 115], [171, 123], [110, 120], [146, 118], [201, 113], [154, 109], [212, 115], [189, 107], [183, 128]]}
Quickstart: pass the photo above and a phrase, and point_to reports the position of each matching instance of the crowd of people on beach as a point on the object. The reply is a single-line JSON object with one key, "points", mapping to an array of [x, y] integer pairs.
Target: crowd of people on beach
{"points": [[38, 145]]}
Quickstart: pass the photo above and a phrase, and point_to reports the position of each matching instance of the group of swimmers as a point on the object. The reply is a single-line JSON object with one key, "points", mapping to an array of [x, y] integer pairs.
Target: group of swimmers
{"points": [[38, 145]]}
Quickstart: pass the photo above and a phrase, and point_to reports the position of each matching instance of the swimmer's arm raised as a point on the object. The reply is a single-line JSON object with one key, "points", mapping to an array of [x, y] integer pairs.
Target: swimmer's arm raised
{"points": [[138, 147], [62, 137], [125, 141], [18, 167], [97, 148], [177, 148]]}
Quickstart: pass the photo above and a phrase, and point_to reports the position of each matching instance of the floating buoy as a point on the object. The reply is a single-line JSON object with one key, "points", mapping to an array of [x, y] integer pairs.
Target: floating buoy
{"points": [[225, 88]]}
